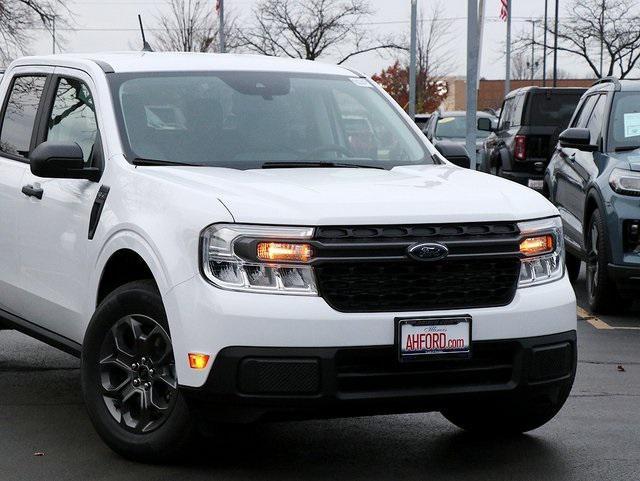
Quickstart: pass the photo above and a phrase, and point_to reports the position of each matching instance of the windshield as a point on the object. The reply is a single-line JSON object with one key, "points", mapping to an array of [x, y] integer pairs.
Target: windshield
{"points": [[246, 119], [455, 127], [624, 125]]}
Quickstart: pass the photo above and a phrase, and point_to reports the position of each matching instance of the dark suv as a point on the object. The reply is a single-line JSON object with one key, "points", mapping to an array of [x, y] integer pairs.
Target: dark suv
{"points": [[530, 121], [594, 180]]}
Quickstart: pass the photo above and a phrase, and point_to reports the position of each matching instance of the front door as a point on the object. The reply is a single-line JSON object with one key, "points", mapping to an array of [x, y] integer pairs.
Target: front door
{"points": [[22, 96], [570, 176], [54, 269]]}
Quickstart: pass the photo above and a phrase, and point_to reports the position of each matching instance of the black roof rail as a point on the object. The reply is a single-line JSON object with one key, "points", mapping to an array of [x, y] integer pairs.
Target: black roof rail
{"points": [[613, 80]]}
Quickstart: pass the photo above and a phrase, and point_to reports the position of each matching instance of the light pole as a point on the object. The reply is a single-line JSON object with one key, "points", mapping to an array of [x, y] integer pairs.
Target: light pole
{"points": [[221, 28], [555, 48], [533, 46], [472, 75], [544, 46], [412, 59], [507, 75]]}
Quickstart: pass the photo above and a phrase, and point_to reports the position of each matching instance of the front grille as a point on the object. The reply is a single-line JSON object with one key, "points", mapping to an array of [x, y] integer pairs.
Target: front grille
{"points": [[417, 286], [367, 269], [376, 369]]}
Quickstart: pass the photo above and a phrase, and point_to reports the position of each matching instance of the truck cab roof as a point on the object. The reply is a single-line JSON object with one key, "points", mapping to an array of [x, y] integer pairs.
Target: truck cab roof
{"points": [[121, 62]]}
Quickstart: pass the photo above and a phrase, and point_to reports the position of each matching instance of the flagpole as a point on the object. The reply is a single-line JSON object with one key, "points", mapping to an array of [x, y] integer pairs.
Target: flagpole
{"points": [[507, 74], [220, 5], [412, 60]]}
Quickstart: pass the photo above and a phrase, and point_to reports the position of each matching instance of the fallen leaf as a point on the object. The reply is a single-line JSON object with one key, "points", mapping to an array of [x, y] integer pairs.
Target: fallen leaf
{"points": [[620, 368]]}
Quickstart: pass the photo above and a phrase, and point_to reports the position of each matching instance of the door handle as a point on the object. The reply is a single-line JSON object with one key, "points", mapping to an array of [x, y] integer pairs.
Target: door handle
{"points": [[31, 191]]}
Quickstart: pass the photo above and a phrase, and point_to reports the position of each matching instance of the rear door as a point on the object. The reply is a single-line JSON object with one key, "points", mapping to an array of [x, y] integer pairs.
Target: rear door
{"points": [[22, 97], [54, 241]]}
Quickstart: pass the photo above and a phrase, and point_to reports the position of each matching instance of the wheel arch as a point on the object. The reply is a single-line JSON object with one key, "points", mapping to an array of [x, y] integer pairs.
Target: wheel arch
{"points": [[126, 256], [593, 201]]}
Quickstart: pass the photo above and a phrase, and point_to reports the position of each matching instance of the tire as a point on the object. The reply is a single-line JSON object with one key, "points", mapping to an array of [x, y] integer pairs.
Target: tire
{"points": [[602, 292], [508, 418], [128, 377], [573, 265]]}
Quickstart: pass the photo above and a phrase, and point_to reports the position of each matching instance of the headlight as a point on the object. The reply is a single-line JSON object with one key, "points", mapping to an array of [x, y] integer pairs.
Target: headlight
{"points": [[258, 258], [625, 182], [542, 248]]}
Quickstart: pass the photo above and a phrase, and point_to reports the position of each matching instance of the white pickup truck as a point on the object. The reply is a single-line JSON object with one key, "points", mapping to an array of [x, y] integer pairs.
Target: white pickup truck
{"points": [[219, 240]]}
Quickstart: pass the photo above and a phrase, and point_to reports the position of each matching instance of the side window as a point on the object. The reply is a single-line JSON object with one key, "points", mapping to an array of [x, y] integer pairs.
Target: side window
{"points": [[20, 114], [585, 110], [516, 116], [73, 117], [596, 120], [505, 117]]}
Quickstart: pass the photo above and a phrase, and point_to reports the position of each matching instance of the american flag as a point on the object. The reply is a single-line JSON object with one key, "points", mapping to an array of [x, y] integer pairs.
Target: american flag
{"points": [[504, 10]]}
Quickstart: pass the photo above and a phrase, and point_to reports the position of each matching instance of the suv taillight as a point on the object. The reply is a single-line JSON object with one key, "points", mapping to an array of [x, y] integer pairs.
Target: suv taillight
{"points": [[520, 149]]}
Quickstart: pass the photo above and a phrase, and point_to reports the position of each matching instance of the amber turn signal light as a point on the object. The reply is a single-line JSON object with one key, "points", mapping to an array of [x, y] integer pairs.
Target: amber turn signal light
{"points": [[535, 246], [282, 251], [198, 361]]}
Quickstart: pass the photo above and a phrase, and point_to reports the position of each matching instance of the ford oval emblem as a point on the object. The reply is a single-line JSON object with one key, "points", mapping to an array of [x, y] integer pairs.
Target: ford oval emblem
{"points": [[428, 252]]}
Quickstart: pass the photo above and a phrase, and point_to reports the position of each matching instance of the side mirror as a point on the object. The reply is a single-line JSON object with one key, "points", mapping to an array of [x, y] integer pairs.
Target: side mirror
{"points": [[484, 124], [61, 161], [454, 153], [575, 138]]}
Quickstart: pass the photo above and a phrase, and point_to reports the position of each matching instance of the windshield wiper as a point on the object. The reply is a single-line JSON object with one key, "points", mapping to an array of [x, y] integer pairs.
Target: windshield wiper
{"points": [[626, 148], [319, 164], [139, 161]]}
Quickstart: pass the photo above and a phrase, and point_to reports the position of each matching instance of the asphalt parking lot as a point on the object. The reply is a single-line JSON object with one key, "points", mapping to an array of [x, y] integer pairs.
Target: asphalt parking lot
{"points": [[46, 435]]}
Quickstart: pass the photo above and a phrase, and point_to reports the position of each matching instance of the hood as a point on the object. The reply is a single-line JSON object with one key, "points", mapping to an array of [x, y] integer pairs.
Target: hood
{"points": [[333, 196]]}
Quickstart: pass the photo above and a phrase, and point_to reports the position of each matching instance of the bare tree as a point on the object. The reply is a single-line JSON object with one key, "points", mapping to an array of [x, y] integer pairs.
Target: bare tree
{"points": [[190, 26], [17, 17], [592, 27], [435, 55], [521, 65], [434, 62], [309, 29]]}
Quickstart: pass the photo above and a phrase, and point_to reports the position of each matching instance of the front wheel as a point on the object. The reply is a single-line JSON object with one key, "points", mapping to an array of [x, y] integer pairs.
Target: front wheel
{"points": [[129, 378], [601, 290]]}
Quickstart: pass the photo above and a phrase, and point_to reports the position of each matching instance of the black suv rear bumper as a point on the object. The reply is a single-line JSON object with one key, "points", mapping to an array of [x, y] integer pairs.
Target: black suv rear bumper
{"points": [[522, 177], [249, 383]]}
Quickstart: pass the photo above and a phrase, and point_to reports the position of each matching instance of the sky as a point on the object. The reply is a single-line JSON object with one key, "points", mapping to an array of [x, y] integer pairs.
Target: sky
{"points": [[113, 25]]}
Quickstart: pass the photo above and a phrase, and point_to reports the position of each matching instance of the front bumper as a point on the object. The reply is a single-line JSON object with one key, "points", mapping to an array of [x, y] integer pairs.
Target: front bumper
{"points": [[248, 384], [205, 319], [627, 278]]}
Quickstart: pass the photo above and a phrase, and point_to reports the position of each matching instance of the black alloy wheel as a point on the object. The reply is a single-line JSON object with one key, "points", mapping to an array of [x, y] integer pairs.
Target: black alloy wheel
{"points": [[128, 375], [602, 292], [137, 373]]}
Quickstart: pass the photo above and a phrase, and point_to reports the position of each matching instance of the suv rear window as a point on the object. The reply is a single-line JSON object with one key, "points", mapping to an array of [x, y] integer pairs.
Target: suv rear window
{"points": [[551, 110]]}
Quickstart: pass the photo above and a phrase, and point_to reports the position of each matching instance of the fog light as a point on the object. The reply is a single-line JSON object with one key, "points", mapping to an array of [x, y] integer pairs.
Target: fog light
{"points": [[198, 361], [535, 246], [281, 251]]}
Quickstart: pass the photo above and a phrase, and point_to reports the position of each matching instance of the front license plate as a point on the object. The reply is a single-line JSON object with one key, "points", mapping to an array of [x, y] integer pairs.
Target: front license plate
{"points": [[535, 184], [440, 337]]}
